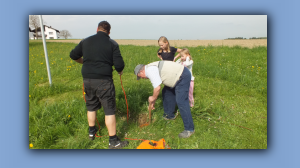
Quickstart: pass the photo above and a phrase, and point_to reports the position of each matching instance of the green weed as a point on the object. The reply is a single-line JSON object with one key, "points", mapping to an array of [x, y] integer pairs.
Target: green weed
{"points": [[230, 100]]}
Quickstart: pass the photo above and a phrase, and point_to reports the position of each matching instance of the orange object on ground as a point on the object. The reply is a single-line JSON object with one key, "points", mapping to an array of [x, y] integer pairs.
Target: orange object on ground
{"points": [[161, 144]]}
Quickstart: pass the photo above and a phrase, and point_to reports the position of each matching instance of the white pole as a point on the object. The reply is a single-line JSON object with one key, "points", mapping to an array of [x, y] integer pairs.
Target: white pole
{"points": [[45, 49]]}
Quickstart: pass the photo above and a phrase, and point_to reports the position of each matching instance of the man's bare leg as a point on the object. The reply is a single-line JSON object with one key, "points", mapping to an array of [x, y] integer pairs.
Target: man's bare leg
{"points": [[91, 115], [110, 122]]}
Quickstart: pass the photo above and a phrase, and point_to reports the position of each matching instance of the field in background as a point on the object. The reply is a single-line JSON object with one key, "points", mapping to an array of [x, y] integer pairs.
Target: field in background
{"points": [[230, 100], [183, 43]]}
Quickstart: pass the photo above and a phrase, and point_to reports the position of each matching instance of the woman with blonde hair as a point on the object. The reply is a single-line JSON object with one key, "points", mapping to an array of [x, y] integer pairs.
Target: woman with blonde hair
{"points": [[166, 52]]}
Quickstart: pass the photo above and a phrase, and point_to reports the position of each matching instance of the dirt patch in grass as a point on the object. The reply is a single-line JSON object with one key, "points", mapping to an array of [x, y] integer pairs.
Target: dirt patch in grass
{"points": [[43, 84], [61, 97], [143, 119], [186, 43]]}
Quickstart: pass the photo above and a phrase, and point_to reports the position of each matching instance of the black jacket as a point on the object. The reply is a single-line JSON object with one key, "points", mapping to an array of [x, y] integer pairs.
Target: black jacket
{"points": [[99, 53]]}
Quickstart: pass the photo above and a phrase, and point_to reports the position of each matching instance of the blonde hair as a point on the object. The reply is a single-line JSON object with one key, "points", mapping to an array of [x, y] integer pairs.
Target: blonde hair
{"points": [[186, 51], [164, 39]]}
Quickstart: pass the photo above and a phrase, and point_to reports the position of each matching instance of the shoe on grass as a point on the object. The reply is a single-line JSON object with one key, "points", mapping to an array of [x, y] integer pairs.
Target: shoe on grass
{"points": [[185, 134], [176, 114], [117, 143], [92, 134]]}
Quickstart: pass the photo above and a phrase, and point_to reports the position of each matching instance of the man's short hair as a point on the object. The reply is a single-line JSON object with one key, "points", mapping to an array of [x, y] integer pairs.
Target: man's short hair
{"points": [[137, 70], [104, 26]]}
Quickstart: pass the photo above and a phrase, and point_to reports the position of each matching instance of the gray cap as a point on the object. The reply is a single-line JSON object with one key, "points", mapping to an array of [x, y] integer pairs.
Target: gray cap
{"points": [[137, 70]]}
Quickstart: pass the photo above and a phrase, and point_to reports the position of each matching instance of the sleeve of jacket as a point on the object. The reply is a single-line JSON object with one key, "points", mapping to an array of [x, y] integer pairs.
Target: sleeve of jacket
{"points": [[188, 62], [76, 53], [117, 57]]}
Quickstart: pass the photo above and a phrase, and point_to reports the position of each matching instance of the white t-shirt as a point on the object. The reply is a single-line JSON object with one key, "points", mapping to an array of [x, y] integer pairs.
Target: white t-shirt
{"points": [[152, 74]]}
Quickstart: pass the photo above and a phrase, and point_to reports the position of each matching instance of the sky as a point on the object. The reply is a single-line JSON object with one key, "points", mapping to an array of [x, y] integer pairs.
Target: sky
{"points": [[174, 27]]}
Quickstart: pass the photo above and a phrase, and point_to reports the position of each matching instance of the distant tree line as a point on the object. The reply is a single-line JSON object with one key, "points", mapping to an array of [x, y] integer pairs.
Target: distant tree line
{"points": [[239, 38], [258, 38]]}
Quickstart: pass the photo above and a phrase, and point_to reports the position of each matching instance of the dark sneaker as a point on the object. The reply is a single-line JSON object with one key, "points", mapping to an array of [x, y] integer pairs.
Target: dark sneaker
{"points": [[92, 134], [176, 114], [117, 143], [185, 134]]}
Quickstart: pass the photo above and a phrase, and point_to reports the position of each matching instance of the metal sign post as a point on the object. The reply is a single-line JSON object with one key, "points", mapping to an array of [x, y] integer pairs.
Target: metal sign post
{"points": [[45, 49]]}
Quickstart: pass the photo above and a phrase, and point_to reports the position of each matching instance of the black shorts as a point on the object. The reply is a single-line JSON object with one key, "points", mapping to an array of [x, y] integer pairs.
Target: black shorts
{"points": [[100, 92]]}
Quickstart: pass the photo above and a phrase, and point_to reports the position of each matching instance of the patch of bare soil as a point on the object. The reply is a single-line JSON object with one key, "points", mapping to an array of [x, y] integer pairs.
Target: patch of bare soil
{"points": [[143, 119]]}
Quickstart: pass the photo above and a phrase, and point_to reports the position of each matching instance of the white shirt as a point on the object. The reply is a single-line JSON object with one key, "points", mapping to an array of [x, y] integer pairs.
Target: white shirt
{"points": [[187, 63], [152, 73]]}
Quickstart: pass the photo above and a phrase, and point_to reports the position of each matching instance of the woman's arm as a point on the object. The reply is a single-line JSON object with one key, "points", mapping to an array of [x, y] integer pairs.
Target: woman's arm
{"points": [[159, 57], [178, 55]]}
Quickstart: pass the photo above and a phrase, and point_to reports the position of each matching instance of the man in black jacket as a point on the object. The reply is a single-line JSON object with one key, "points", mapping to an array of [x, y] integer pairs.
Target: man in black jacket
{"points": [[98, 53]]}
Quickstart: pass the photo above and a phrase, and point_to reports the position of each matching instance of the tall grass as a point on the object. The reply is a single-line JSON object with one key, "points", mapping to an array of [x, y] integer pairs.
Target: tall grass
{"points": [[230, 100]]}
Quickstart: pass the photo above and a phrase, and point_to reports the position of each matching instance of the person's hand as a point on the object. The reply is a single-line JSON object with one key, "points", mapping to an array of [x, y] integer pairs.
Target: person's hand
{"points": [[151, 101], [120, 73], [159, 56]]}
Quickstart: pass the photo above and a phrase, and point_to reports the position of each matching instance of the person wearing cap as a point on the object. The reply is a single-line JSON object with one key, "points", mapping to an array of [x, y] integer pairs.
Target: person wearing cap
{"points": [[99, 54], [176, 80]]}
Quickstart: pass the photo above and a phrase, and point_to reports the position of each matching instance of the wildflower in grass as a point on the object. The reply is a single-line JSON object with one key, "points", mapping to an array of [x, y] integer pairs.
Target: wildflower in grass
{"points": [[34, 71], [29, 95], [41, 78], [42, 63], [262, 88], [69, 116], [252, 66], [204, 48], [31, 145]]}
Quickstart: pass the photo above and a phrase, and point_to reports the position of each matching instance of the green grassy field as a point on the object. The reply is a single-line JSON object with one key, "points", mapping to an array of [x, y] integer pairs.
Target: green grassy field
{"points": [[230, 100]]}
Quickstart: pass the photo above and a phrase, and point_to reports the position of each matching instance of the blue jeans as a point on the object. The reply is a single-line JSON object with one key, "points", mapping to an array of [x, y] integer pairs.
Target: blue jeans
{"points": [[179, 95]]}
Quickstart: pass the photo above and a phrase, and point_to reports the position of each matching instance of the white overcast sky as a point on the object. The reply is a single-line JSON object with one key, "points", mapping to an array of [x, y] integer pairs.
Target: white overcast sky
{"points": [[185, 27]]}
